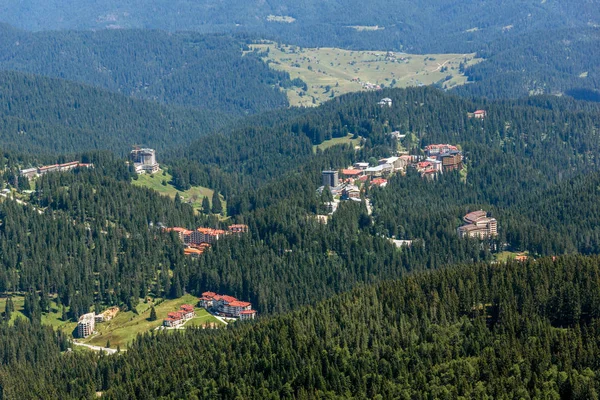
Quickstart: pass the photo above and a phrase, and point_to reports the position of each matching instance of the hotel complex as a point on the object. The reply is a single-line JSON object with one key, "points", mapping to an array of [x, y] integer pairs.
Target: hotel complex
{"points": [[479, 225], [227, 306]]}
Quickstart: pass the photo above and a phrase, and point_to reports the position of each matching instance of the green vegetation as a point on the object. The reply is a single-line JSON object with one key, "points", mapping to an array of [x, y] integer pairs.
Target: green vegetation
{"points": [[122, 329], [330, 72], [193, 196], [200, 71], [335, 141], [45, 115], [474, 331]]}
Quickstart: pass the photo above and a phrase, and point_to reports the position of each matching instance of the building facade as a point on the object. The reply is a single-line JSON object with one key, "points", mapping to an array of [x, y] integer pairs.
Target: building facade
{"points": [[330, 178], [144, 161], [478, 225], [228, 306], [86, 325]]}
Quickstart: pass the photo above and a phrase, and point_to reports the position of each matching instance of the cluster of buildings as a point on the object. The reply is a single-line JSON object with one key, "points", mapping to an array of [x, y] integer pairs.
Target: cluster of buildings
{"points": [[478, 225], [440, 158], [199, 240], [39, 171], [227, 306], [144, 161], [177, 318], [87, 322]]}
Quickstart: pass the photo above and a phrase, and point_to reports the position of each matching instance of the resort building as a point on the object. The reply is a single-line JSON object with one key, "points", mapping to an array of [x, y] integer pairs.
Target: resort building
{"points": [[227, 306], [144, 161], [330, 178], [86, 325], [177, 318], [478, 225], [238, 228]]}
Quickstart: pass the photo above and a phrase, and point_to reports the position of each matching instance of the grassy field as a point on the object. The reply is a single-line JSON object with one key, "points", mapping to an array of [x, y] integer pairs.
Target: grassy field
{"points": [[505, 256], [193, 196], [125, 326], [332, 142], [331, 71]]}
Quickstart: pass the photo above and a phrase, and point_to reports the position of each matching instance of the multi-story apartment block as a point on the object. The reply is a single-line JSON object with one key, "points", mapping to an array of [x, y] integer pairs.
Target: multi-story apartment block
{"points": [[479, 225], [86, 325]]}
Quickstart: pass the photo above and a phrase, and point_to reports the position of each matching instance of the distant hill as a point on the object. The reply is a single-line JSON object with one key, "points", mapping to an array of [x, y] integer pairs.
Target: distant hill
{"points": [[202, 71], [425, 26], [39, 114], [563, 62]]}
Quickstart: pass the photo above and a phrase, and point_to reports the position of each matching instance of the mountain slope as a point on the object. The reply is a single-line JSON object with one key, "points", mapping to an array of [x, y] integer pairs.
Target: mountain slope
{"points": [[480, 331], [39, 114], [433, 25], [199, 71]]}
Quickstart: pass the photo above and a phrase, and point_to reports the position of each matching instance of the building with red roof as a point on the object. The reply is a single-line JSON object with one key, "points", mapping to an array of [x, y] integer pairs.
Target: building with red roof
{"points": [[177, 318], [226, 305], [379, 182], [480, 114]]}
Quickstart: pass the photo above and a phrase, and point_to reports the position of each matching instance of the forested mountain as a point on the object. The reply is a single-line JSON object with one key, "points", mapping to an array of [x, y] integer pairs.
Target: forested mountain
{"points": [[45, 115], [561, 62], [427, 26], [201, 71], [476, 331]]}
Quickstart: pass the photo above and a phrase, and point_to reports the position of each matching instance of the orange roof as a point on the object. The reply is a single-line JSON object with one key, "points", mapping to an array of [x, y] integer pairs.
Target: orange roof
{"points": [[209, 294], [479, 112], [225, 298], [378, 181], [239, 304], [351, 172], [238, 226], [248, 312], [48, 166], [179, 229], [191, 250], [211, 231], [187, 307]]}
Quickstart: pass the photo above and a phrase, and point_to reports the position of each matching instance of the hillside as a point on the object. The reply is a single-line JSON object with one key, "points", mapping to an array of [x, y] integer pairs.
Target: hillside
{"points": [[431, 26], [187, 69], [46, 115], [507, 330], [564, 62]]}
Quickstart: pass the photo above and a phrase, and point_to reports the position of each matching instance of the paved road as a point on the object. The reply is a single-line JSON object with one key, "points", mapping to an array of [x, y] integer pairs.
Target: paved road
{"points": [[96, 348]]}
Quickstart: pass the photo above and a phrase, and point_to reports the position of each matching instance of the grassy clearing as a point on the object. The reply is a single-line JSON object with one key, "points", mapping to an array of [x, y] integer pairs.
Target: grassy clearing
{"points": [[192, 196], [122, 329], [52, 318], [332, 142], [505, 256], [331, 71]]}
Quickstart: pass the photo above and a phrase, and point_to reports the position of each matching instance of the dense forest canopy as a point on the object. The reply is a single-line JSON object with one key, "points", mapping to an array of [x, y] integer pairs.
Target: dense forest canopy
{"points": [[427, 26], [563, 62], [481, 331], [199, 71], [49, 116]]}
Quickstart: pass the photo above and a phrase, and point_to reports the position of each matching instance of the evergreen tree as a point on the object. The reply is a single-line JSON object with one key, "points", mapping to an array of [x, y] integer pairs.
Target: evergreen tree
{"points": [[205, 205], [217, 207], [8, 308], [153, 316]]}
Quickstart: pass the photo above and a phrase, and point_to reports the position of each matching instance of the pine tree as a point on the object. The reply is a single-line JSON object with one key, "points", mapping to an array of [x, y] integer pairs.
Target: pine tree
{"points": [[205, 205], [217, 207], [8, 308], [152, 314]]}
